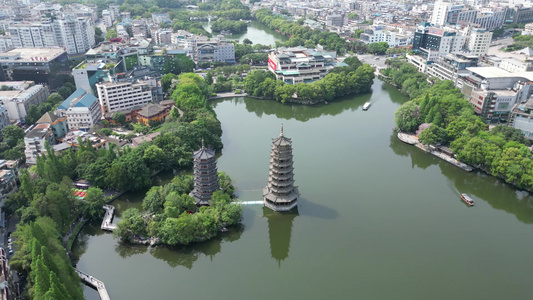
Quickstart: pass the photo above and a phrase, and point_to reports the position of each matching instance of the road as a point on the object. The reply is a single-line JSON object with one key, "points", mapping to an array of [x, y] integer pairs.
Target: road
{"points": [[373, 60], [496, 45]]}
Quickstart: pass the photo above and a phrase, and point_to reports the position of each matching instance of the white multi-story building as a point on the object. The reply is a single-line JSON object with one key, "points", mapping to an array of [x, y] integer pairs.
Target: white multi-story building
{"points": [[33, 35], [479, 41], [161, 36], [215, 49], [115, 11], [494, 91], [6, 43], [107, 18], [76, 35], [299, 65], [80, 10], [378, 34], [82, 110], [123, 95], [21, 95], [440, 13], [35, 140], [514, 65], [335, 20]]}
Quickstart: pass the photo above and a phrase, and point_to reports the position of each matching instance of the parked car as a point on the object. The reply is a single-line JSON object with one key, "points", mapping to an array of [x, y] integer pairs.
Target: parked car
{"points": [[10, 251], [9, 240]]}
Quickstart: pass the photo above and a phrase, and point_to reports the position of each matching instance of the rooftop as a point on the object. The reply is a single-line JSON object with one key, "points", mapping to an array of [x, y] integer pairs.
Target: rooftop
{"points": [[39, 131], [151, 109], [31, 54], [495, 72], [72, 138], [204, 153], [80, 98], [504, 93], [47, 118]]}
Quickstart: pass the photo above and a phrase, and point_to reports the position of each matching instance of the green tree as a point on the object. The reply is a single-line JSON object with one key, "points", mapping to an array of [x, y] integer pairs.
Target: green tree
{"points": [[130, 225], [405, 117], [154, 157], [154, 200], [92, 203], [55, 98], [352, 16], [12, 135], [166, 82], [64, 92], [32, 115], [111, 33], [427, 137], [247, 41], [357, 33], [119, 118]]}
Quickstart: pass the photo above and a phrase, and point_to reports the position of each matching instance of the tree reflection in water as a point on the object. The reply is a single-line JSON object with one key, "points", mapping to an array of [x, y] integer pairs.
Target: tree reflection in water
{"points": [[186, 255]]}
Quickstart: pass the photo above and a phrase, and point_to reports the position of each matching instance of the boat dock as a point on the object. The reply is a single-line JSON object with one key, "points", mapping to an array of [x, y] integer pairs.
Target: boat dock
{"points": [[413, 140], [95, 283], [107, 222]]}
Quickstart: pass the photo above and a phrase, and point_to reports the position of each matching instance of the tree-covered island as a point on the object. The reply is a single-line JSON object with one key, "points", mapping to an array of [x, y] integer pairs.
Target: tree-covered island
{"points": [[172, 217]]}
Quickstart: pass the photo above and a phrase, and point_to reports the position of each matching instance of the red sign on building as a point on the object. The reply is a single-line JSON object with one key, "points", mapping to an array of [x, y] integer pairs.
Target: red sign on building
{"points": [[272, 65]]}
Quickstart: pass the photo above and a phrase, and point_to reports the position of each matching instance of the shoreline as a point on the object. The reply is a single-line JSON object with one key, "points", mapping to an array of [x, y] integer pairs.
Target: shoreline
{"points": [[413, 140]]}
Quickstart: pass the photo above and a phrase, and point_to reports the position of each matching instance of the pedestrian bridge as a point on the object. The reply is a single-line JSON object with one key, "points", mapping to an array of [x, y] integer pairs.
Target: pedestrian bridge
{"points": [[256, 202], [95, 283]]}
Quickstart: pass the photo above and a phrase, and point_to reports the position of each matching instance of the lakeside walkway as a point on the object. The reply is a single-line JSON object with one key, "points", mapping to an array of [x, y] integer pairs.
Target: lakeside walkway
{"points": [[107, 222], [95, 283], [413, 140]]}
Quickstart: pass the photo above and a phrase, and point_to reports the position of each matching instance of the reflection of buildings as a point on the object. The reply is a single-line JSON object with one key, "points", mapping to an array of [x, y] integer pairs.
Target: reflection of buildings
{"points": [[280, 194], [279, 232]]}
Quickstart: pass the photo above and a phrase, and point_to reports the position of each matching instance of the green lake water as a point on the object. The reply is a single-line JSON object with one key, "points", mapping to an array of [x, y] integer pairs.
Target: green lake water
{"points": [[257, 32], [377, 219]]}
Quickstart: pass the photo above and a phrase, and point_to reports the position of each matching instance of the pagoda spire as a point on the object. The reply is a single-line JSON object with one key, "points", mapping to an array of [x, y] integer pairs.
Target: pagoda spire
{"points": [[281, 134], [203, 147]]}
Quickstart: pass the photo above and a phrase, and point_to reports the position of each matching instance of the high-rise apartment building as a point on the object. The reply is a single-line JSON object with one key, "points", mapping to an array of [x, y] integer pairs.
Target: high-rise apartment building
{"points": [[440, 13], [76, 35]]}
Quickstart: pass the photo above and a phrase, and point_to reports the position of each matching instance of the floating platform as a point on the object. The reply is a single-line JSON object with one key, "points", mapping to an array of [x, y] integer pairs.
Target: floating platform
{"points": [[107, 222], [407, 138]]}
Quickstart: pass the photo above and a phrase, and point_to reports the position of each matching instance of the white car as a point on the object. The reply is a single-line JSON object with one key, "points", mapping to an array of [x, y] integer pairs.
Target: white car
{"points": [[9, 240], [10, 251]]}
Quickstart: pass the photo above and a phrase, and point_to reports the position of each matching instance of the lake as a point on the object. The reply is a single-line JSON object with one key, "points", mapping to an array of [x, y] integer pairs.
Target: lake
{"points": [[377, 218]]}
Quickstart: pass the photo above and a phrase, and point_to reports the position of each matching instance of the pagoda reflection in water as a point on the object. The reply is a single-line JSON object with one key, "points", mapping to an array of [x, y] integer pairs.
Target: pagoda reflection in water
{"points": [[279, 231]]}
